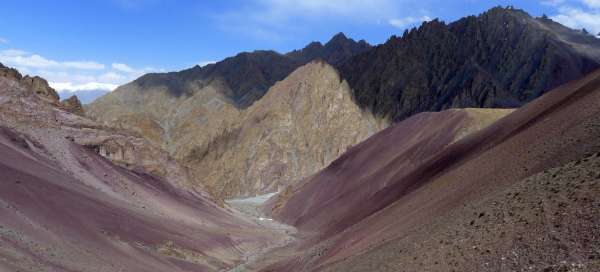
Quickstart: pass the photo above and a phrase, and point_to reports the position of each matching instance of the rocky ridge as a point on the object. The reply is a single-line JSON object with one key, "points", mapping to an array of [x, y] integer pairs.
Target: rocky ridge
{"points": [[501, 58]]}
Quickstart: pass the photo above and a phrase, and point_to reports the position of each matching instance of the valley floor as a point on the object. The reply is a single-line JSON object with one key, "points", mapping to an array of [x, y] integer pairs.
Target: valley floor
{"points": [[278, 249]]}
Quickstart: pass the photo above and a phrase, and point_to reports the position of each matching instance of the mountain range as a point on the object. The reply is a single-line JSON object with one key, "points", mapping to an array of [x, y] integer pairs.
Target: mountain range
{"points": [[464, 146], [502, 58]]}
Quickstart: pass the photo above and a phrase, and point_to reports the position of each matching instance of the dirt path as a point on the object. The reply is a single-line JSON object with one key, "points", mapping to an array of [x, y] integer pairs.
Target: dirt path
{"points": [[252, 207]]}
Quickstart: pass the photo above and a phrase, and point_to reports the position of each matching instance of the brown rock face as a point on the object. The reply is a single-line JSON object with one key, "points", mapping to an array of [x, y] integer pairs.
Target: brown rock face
{"points": [[37, 84], [73, 105], [40, 87], [300, 125]]}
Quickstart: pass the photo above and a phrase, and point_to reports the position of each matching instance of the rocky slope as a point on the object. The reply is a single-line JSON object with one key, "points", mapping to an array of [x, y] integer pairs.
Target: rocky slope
{"points": [[542, 223], [501, 58], [517, 195], [302, 124], [78, 196], [73, 105], [400, 148]]}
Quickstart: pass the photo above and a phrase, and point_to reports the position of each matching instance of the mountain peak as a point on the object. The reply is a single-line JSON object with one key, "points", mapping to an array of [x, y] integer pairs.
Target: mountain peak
{"points": [[339, 37], [337, 50]]}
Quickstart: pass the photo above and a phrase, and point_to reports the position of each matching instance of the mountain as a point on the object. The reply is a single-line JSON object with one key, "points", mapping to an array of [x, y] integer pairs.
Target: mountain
{"points": [[80, 196], [518, 194], [398, 149], [302, 124], [73, 105], [334, 52], [501, 58], [86, 97], [247, 76], [196, 115]]}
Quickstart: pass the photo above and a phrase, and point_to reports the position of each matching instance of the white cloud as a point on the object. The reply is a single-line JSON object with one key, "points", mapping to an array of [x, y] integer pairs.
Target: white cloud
{"points": [[3, 40], [553, 3], [72, 75], [354, 8], [577, 18], [84, 65], [408, 21], [21, 58], [592, 3], [90, 86], [112, 77], [274, 19], [122, 67]]}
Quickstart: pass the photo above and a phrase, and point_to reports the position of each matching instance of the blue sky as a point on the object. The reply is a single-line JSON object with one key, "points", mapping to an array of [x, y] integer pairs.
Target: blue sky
{"points": [[99, 44]]}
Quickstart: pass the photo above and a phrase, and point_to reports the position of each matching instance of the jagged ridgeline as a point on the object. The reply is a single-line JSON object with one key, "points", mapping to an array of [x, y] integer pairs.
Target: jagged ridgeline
{"points": [[199, 114], [247, 76], [203, 116], [501, 58]]}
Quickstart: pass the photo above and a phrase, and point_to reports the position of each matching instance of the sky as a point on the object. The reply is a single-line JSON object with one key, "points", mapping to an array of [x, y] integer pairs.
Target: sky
{"points": [[100, 44]]}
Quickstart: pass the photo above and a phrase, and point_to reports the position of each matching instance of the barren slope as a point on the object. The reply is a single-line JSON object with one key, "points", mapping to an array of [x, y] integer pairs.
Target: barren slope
{"points": [[301, 125], [560, 127], [64, 206]]}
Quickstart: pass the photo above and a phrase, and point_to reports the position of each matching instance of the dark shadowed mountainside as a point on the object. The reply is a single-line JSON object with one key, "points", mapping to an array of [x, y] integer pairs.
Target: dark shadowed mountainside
{"points": [[501, 58], [247, 76], [334, 52]]}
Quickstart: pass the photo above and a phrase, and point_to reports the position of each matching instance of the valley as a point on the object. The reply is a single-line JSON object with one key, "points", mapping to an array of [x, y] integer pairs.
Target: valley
{"points": [[464, 146]]}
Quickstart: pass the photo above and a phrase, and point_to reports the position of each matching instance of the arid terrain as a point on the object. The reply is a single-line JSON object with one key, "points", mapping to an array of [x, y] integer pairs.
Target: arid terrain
{"points": [[465, 146]]}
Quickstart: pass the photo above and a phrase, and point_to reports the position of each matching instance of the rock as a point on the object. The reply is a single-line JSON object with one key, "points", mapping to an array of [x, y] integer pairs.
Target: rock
{"points": [[301, 125], [36, 84], [198, 114], [73, 105], [41, 88], [9, 72]]}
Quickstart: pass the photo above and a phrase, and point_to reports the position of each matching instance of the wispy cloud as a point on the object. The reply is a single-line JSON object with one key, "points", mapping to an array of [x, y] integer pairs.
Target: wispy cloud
{"points": [[90, 86], [3, 40], [122, 67], [592, 3], [278, 10], [579, 14], [408, 21], [72, 76], [275, 19], [553, 3], [24, 59]]}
